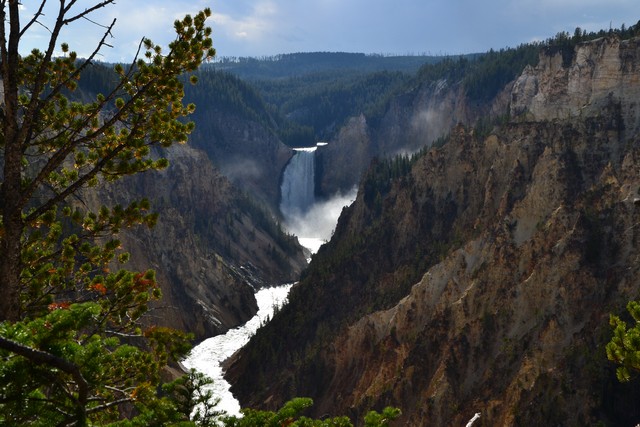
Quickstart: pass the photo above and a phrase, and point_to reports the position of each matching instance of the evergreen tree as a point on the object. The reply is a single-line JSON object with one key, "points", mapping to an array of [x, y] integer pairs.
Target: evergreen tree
{"points": [[290, 415], [73, 349], [624, 347]]}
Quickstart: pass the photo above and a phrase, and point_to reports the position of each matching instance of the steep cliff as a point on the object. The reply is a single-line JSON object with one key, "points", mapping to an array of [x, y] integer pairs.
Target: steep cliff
{"points": [[237, 131], [211, 248], [604, 72], [480, 279]]}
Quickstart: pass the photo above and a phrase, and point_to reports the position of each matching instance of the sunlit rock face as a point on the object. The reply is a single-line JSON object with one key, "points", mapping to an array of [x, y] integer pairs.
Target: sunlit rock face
{"points": [[603, 73], [520, 308], [482, 280]]}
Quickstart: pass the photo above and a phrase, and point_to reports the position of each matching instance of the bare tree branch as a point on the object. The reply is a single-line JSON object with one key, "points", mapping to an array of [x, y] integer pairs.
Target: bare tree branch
{"points": [[86, 11], [33, 20], [108, 405]]}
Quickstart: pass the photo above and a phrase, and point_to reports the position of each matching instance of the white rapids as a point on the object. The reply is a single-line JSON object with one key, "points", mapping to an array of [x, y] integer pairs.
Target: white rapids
{"points": [[207, 356]]}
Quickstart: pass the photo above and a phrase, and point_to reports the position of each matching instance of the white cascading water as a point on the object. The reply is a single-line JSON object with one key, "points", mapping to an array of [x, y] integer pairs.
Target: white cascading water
{"points": [[313, 223], [207, 356], [298, 183]]}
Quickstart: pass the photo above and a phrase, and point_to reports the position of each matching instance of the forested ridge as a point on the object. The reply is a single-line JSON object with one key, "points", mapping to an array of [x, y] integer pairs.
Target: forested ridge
{"points": [[304, 98], [284, 66]]}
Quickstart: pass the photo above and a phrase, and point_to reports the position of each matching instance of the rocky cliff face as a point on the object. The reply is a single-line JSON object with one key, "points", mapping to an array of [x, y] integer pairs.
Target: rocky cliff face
{"points": [[412, 121], [248, 154], [603, 72], [211, 248], [481, 280]]}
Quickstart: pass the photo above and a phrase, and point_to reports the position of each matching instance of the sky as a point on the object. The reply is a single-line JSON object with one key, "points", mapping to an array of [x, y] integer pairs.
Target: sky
{"points": [[395, 27]]}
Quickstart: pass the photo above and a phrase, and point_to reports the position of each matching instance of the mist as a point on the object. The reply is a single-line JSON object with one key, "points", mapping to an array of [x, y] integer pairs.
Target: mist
{"points": [[315, 226]]}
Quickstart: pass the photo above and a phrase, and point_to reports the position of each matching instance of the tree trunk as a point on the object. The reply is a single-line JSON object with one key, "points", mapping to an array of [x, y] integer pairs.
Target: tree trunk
{"points": [[10, 267], [10, 191]]}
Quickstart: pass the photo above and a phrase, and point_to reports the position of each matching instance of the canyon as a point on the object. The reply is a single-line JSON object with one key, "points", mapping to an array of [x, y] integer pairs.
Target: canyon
{"points": [[481, 278], [475, 272]]}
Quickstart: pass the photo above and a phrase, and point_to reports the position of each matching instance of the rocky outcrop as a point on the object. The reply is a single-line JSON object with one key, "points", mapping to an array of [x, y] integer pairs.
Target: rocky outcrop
{"points": [[482, 279], [604, 72]]}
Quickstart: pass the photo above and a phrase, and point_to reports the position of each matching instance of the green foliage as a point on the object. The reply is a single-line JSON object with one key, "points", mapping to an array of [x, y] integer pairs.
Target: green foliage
{"points": [[224, 92], [74, 349], [492, 71], [565, 43], [375, 419], [324, 101], [451, 68], [624, 347], [290, 415], [296, 135], [382, 174], [103, 369], [194, 398], [482, 76]]}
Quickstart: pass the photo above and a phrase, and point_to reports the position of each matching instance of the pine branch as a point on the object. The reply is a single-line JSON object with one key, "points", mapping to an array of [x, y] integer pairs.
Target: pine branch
{"points": [[40, 357]]}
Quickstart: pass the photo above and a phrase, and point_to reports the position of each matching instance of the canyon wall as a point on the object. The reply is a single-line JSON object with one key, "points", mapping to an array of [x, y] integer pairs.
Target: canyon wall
{"points": [[412, 121], [211, 248], [482, 279]]}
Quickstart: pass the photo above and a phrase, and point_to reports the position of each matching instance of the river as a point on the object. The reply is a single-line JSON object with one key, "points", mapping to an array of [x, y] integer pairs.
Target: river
{"points": [[207, 356], [313, 222]]}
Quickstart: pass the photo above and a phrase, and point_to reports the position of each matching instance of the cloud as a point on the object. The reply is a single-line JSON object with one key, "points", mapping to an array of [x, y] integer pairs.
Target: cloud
{"points": [[152, 20], [267, 27], [253, 28]]}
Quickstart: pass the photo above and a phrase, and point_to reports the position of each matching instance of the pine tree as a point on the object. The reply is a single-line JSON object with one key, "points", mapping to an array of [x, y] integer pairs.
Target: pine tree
{"points": [[624, 347], [73, 349]]}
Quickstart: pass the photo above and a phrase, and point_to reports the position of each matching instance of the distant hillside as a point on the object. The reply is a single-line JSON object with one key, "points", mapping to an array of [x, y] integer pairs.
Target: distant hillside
{"points": [[311, 95], [322, 103], [297, 64]]}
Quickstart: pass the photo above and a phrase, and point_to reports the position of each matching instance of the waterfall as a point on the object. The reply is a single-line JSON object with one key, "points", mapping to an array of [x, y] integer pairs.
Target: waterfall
{"points": [[311, 220], [298, 183]]}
